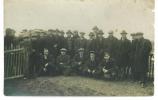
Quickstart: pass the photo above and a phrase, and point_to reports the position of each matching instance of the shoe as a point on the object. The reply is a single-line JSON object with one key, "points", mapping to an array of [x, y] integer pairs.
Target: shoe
{"points": [[142, 85]]}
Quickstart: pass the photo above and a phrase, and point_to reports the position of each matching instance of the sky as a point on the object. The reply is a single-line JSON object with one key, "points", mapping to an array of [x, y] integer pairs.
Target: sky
{"points": [[82, 15]]}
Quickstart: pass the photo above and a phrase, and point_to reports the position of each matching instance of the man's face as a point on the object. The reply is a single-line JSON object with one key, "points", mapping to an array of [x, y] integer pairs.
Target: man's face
{"points": [[68, 35], [92, 56], [106, 56], [140, 36], [110, 35], [45, 51], [63, 52], [75, 33], [81, 53], [100, 35], [124, 35]]}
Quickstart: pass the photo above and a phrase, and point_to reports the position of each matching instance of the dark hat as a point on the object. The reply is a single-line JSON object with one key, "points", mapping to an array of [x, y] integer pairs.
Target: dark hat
{"points": [[133, 34], [139, 33], [68, 32], [100, 32], [82, 33], [95, 28], [63, 49], [81, 49], [91, 34], [75, 31], [110, 32], [92, 51], [123, 32]]}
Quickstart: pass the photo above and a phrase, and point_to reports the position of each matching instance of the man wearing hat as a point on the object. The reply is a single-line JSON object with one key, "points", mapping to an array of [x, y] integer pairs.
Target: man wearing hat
{"points": [[92, 42], [70, 43], [75, 40], [112, 45], [100, 45], [61, 40], [95, 30], [63, 62], [79, 62], [81, 42], [141, 58], [124, 49], [132, 53], [91, 65]]}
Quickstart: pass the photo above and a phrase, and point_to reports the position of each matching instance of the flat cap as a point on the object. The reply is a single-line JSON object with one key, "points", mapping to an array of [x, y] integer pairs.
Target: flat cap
{"points": [[100, 32], [82, 33], [110, 32], [68, 32], [81, 49], [123, 32], [139, 33], [91, 34], [63, 49], [92, 51]]}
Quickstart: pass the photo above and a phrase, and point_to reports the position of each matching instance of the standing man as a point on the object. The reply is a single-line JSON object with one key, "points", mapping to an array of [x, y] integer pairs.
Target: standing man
{"points": [[112, 45], [143, 49], [132, 53], [100, 45], [92, 42], [81, 42], [70, 44], [124, 55]]}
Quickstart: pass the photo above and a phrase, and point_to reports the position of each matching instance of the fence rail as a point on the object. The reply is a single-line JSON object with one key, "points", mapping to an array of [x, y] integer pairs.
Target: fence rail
{"points": [[14, 62]]}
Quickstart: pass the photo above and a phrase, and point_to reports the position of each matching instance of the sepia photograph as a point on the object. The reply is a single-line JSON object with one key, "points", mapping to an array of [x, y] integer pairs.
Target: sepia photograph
{"points": [[79, 47]]}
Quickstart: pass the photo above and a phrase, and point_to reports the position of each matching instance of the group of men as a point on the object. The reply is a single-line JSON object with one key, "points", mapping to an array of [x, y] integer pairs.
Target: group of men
{"points": [[53, 53]]}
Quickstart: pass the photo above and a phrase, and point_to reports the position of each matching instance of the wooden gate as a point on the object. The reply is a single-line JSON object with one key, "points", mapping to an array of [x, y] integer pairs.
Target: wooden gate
{"points": [[14, 63]]}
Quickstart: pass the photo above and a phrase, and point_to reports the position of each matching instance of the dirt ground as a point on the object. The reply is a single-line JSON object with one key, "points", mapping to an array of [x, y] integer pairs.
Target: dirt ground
{"points": [[74, 86]]}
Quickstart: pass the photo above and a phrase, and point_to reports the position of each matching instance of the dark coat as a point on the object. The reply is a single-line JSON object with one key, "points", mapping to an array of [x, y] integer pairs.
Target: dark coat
{"points": [[123, 57], [112, 46], [70, 46], [92, 65], [81, 43], [100, 47], [65, 59], [92, 44], [77, 59], [110, 64], [132, 52], [141, 59]]}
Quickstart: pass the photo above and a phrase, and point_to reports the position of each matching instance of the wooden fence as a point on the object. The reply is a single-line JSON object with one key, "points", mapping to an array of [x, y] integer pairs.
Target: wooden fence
{"points": [[14, 63]]}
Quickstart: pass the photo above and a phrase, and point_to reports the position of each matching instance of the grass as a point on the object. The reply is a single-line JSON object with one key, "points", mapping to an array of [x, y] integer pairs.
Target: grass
{"points": [[74, 86]]}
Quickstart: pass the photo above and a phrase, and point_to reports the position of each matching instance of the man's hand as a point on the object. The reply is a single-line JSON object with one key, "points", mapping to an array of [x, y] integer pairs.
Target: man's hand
{"points": [[44, 69], [55, 45], [89, 70], [93, 71], [104, 70], [61, 63], [80, 63], [46, 64]]}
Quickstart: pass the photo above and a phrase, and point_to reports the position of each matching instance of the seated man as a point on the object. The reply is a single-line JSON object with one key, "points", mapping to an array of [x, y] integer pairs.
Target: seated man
{"points": [[91, 64], [79, 61], [63, 62], [48, 67], [107, 67]]}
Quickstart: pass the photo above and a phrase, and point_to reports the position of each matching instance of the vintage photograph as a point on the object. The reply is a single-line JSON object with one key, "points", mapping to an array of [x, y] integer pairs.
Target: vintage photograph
{"points": [[79, 47]]}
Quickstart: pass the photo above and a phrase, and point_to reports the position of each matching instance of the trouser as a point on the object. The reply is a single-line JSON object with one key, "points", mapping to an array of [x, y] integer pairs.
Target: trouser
{"points": [[140, 76]]}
